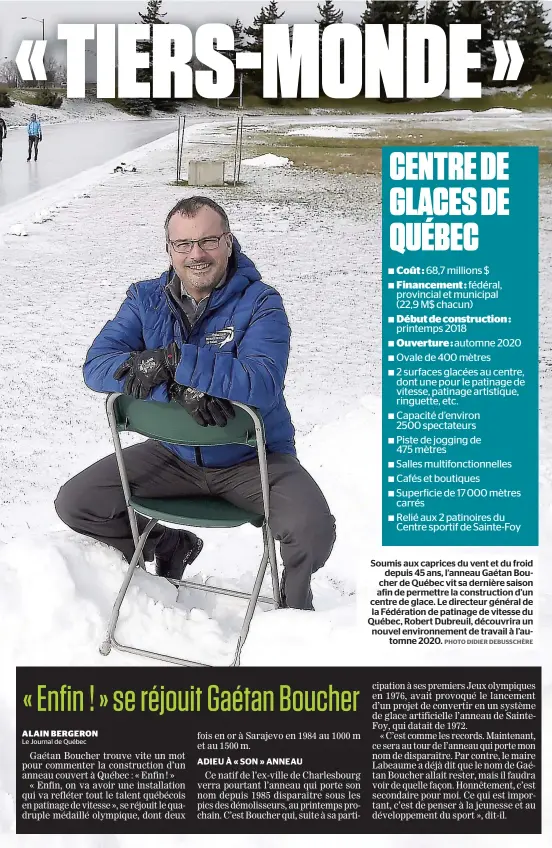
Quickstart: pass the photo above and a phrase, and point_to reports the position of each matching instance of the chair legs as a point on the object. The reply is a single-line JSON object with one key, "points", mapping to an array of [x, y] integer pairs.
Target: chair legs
{"points": [[269, 545], [252, 601], [109, 641], [269, 555]]}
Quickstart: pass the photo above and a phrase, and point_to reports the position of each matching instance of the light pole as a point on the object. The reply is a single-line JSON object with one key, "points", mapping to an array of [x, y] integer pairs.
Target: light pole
{"points": [[39, 21]]}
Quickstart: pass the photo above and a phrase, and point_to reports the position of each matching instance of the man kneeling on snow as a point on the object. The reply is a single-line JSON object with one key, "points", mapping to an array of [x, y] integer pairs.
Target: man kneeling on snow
{"points": [[208, 331]]}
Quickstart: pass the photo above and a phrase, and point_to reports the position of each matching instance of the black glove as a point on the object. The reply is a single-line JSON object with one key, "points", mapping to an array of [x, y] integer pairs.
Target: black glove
{"points": [[148, 368], [207, 411]]}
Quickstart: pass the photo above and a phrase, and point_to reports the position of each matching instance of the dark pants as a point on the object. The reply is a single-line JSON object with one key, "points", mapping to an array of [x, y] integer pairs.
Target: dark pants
{"points": [[33, 142], [1, 143], [93, 503]]}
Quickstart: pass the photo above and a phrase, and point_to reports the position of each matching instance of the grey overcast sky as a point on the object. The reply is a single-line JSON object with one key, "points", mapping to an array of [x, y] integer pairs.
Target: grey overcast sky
{"points": [[191, 12]]}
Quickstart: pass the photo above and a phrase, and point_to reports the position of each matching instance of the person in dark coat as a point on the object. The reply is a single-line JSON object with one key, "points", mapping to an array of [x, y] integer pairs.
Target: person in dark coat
{"points": [[3, 134], [205, 333]]}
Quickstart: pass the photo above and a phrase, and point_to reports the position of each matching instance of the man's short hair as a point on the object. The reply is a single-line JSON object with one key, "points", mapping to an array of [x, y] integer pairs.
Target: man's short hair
{"points": [[190, 206]]}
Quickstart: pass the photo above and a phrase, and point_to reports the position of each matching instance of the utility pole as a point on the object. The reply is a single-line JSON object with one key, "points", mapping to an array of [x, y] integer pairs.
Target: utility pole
{"points": [[39, 21]]}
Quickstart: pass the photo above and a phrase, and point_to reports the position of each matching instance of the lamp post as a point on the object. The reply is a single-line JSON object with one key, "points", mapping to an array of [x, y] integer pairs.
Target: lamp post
{"points": [[39, 21]]}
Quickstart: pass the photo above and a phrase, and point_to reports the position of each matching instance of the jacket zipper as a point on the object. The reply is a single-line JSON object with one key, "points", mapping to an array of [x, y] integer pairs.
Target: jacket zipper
{"points": [[178, 317]]}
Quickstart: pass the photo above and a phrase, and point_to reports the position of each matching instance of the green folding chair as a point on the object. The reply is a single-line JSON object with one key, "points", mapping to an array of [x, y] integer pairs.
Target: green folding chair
{"points": [[169, 422]]}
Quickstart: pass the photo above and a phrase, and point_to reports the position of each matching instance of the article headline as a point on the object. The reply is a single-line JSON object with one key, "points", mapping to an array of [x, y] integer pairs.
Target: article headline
{"points": [[160, 700], [344, 61]]}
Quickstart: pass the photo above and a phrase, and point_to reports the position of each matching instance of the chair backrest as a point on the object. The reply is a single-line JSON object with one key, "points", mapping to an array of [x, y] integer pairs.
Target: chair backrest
{"points": [[170, 422]]}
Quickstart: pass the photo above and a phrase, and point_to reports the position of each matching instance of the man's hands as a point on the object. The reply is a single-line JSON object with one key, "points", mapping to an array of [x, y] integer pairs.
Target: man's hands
{"points": [[207, 411], [148, 368]]}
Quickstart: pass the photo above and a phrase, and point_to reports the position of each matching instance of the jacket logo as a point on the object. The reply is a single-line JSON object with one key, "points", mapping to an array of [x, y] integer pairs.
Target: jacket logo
{"points": [[221, 337]]}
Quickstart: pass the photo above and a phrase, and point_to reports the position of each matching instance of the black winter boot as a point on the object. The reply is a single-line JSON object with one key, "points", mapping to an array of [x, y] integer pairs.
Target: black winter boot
{"points": [[185, 550]]}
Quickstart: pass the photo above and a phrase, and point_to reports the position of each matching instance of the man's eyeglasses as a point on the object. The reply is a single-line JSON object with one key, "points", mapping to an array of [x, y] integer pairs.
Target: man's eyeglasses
{"points": [[186, 245]]}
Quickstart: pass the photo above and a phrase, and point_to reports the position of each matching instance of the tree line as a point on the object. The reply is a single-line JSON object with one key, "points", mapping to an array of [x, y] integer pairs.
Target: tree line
{"points": [[523, 20]]}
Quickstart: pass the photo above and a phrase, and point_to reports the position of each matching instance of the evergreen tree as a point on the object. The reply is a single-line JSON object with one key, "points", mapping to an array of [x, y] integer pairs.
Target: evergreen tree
{"points": [[439, 13], [239, 35], [328, 15], [533, 32], [239, 41], [268, 15], [239, 45], [502, 18], [384, 12], [152, 15], [476, 12]]}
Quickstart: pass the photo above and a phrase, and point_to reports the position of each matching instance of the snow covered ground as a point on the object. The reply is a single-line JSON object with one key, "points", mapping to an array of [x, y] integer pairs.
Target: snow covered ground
{"points": [[320, 123], [316, 238], [84, 110]]}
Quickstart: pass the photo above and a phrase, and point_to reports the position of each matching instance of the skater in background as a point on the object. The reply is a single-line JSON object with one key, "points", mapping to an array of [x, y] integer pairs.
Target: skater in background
{"points": [[206, 332], [34, 132], [3, 134]]}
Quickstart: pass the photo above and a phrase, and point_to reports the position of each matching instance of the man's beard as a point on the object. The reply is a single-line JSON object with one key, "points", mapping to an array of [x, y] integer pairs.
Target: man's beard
{"points": [[204, 280]]}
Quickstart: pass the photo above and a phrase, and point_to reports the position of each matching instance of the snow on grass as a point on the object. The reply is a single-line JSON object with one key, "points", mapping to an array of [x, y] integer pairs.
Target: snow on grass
{"points": [[268, 160], [499, 110], [517, 90], [332, 131]]}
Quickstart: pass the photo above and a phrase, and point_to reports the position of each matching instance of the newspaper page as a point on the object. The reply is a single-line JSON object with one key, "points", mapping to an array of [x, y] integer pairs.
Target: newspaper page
{"points": [[276, 424]]}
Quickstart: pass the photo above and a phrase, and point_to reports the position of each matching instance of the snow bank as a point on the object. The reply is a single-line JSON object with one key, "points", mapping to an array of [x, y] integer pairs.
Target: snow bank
{"points": [[61, 613], [499, 110], [17, 230], [89, 110], [71, 110], [269, 160]]}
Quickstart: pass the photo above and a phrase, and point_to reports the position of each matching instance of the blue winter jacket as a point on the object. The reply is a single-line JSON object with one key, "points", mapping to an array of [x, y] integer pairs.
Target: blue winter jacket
{"points": [[238, 350], [34, 128]]}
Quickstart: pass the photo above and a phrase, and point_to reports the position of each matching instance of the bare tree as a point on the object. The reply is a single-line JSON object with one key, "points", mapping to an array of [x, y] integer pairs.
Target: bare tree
{"points": [[56, 72], [9, 74]]}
